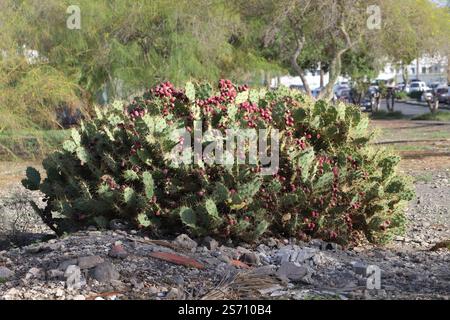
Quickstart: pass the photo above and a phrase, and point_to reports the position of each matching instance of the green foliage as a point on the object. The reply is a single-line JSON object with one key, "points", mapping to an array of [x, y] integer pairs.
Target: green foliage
{"points": [[330, 183], [415, 95], [401, 95]]}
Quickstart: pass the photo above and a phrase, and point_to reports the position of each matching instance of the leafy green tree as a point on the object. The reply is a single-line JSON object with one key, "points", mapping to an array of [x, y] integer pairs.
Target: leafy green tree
{"points": [[122, 47]]}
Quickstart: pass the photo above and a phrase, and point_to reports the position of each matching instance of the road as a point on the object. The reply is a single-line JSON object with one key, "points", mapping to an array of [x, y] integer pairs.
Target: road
{"points": [[409, 110]]}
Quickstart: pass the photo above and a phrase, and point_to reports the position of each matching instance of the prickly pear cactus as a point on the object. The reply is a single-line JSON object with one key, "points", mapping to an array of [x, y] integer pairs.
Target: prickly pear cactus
{"points": [[329, 182]]}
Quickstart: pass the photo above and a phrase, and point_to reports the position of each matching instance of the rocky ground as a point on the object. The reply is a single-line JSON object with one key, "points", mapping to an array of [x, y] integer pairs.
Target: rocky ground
{"points": [[118, 264]]}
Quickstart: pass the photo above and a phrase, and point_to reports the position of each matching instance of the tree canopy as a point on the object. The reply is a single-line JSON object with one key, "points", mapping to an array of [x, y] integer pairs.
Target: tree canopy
{"points": [[123, 46]]}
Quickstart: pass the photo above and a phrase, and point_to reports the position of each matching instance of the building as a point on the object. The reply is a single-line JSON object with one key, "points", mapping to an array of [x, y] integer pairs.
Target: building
{"points": [[428, 69]]}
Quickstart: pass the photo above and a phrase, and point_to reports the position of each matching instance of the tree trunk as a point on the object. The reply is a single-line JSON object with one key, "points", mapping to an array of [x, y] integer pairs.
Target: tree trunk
{"points": [[417, 68], [405, 74], [390, 99], [335, 71], [448, 69], [298, 70], [322, 75], [433, 104]]}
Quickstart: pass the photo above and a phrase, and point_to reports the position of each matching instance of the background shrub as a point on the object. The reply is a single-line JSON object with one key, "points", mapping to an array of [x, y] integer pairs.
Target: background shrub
{"points": [[331, 184], [401, 95], [415, 95]]}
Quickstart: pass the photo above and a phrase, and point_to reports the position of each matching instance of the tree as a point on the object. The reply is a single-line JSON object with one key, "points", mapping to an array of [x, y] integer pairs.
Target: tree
{"points": [[305, 34], [412, 29], [294, 27], [122, 47]]}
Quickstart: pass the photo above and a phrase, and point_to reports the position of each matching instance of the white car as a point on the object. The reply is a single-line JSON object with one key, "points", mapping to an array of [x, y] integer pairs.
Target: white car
{"points": [[418, 86], [339, 88]]}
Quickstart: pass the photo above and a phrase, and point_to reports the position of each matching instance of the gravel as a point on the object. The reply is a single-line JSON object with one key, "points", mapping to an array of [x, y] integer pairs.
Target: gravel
{"points": [[120, 265]]}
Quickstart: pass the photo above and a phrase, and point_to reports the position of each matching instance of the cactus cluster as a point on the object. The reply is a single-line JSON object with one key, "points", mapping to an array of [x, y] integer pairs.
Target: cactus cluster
{"points": [[330, 183]]}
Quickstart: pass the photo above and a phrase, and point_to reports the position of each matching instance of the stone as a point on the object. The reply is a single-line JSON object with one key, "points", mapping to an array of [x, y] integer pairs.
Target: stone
{"points": [[316, 243], [105, 272], [73, 277], [153, 290], [55, 274], [5, 274], [185, 242], [173, 294], [137, 285], [283, 255], [210, 243], [292, 271], [63, 265], [224, 258], [11, 294], [303, 254], [35, 273], [59, 293], [89, 262], [178, 279], [79, 297], [117, 224], [250, 258], [359, 268], [269, 290], [118, 251]]}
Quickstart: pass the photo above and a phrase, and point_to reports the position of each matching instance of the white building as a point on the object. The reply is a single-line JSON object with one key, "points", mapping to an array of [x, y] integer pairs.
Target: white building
{"points": [[313, 79], [428, 69]]}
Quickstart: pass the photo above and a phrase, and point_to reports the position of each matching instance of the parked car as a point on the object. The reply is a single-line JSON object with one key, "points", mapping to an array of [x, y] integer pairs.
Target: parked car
{"points": [[443, 94], [434, 86], [344, 95], [418, 86], [370, 99], [339, 88], [316, 92]]}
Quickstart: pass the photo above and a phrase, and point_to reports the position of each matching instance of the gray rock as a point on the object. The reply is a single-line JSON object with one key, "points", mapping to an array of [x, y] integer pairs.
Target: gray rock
{"points": [[105, 272], [359, 268], [292, 271], [250, 258], [63, 265], [5, 273], [73, 277], [55, 274], [35, 273], [173, 294], [210, 243], [137, 285], [303, 254], [153, 290], [89, 262], [185, 242], [283, 255], [178, 279]]}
